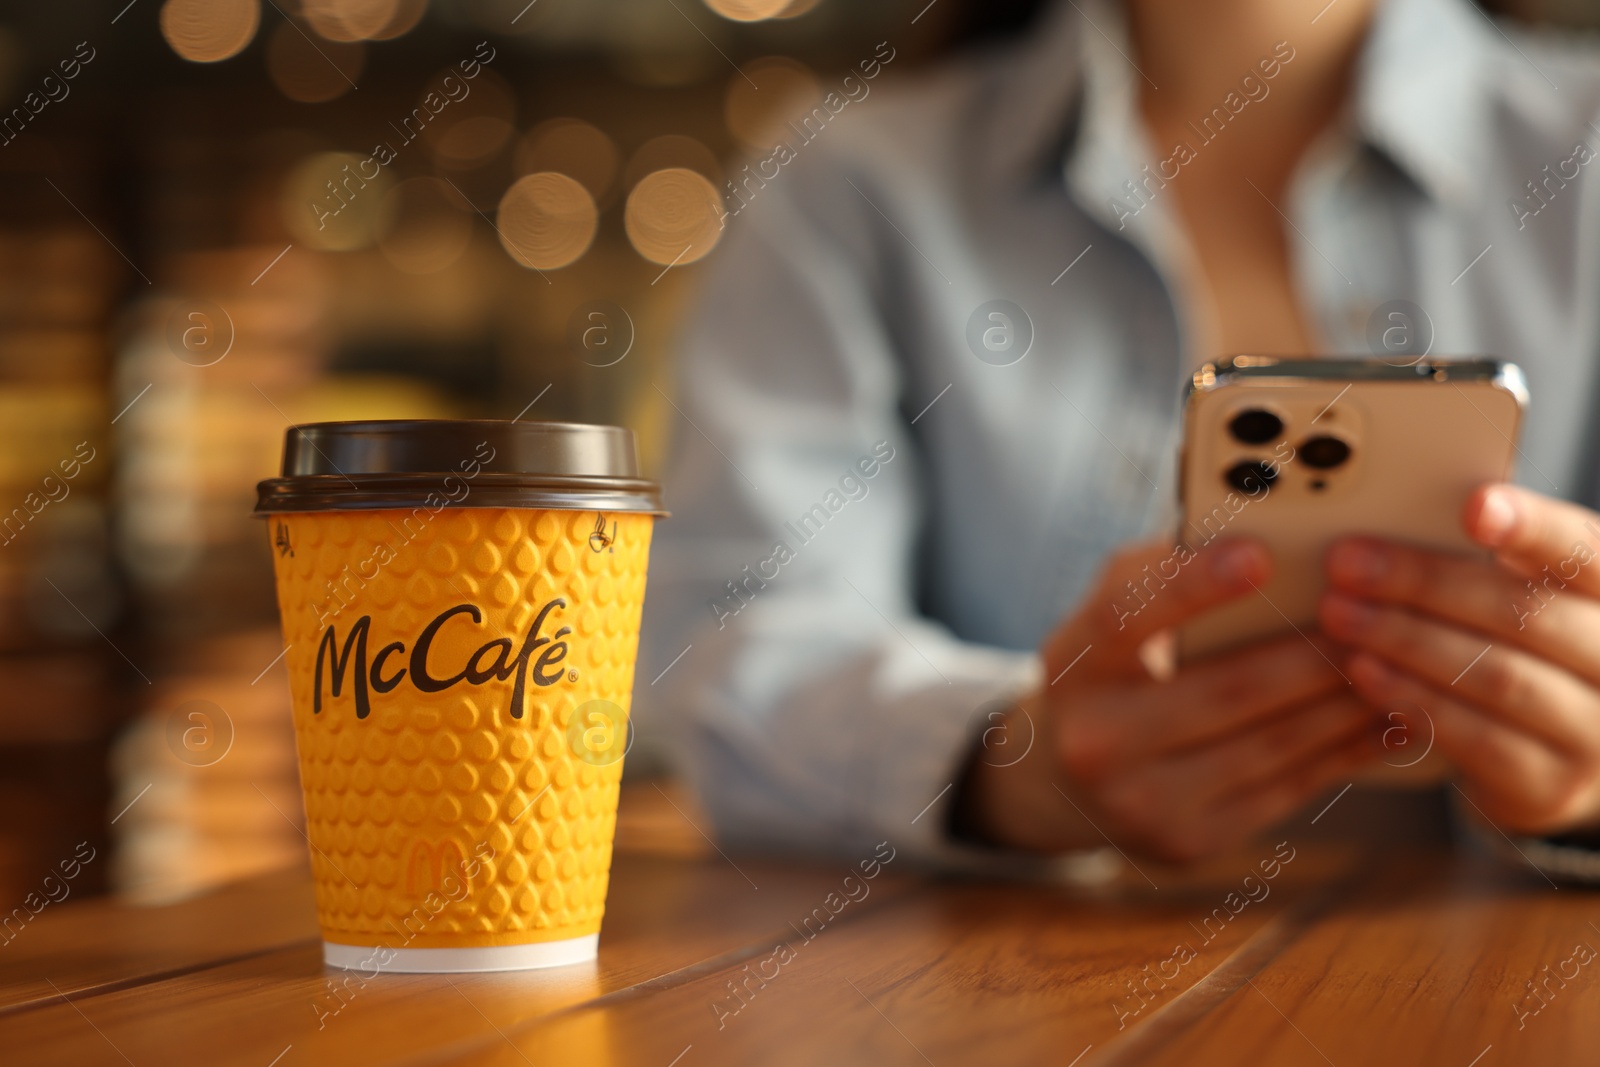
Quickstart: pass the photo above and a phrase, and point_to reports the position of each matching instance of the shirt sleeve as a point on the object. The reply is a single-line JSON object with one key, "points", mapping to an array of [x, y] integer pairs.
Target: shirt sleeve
{"points": [[785, 660]]}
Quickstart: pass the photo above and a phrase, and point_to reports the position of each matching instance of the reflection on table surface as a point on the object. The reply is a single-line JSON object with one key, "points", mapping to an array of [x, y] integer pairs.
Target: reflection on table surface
{"points": [[1265, 957]]}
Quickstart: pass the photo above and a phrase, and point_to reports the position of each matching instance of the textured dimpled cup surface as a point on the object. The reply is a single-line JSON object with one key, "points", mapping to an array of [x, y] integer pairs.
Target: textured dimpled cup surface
{"points": [[461, 678]]}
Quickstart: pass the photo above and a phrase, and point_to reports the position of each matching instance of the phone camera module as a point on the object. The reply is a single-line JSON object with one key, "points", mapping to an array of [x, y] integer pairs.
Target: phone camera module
{"points": [[1251, 476], [1255, 427], [1324, 453]]}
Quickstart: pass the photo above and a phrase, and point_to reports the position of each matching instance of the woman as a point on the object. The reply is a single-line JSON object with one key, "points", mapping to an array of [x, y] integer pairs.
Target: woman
{"points": [[999, 279]]}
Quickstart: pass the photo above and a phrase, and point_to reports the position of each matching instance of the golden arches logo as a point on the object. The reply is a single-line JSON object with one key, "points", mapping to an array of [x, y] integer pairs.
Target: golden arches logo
{"points": [[429, 863]]}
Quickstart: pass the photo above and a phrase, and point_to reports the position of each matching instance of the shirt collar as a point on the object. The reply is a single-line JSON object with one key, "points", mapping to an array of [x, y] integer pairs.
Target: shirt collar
{"points": [[1425, 86], [1038, 88], [1425, 89]]}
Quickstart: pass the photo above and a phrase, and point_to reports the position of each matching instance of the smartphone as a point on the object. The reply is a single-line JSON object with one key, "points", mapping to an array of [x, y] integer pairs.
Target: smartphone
{"points": [[1298, 453]]}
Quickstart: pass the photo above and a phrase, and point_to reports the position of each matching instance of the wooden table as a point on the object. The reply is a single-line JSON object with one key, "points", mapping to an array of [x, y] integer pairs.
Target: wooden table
{"points": [[1345, 957]]}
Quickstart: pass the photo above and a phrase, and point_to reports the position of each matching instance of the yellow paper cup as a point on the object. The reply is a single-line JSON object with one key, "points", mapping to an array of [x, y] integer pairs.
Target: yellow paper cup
{"points": [[460, 604]]}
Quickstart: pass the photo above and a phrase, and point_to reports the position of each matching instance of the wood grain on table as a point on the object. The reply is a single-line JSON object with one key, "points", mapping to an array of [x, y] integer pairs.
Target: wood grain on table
{"points": [[1427, 961], [1344, 957]]}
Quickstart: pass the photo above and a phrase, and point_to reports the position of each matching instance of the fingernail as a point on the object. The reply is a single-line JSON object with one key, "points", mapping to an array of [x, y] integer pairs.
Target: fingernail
{"points": [[1238, 564], [1347, 615], [1497, 515], [1358, 563]]}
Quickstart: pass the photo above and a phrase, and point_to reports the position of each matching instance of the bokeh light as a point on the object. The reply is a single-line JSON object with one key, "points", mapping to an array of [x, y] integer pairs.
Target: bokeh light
{"points": [[329, 202], [797, 8], [432, 226], [474, 118], [748, 10], [473, 140], [349, 20], [547, 220], [406, 16], [312, 73], [208, 31], [782, 90], [674, 216], [669, 151], [574, 148]]}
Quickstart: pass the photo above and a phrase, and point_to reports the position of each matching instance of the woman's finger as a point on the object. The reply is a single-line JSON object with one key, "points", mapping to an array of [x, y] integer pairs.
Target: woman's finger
{"points": [[1145, 591], [1242, 762], [1136, 722], [1542, 614], [1231, 694], [1541, 533], [1516, 688], [1518, 782], [1241, 817]]}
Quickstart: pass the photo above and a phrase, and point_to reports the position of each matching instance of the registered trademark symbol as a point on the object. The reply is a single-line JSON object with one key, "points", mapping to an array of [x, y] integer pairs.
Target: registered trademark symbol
{"points": [[572, 676]]}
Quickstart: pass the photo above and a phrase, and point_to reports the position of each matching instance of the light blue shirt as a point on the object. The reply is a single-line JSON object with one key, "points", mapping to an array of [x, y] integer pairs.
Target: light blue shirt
{"points": [[827, 698]]}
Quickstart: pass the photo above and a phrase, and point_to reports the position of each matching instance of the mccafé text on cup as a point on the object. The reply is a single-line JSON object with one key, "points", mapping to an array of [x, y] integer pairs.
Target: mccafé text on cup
{"points": [[461, 603]]}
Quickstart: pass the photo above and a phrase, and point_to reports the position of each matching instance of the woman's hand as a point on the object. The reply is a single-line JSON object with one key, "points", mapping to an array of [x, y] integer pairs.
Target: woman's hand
{"points": [[1502, 654], [1180, 764]]}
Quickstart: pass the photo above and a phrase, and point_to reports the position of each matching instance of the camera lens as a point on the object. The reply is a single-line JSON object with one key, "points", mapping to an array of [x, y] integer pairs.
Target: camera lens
{"points": [[1255, 427], [1324, 453], [1251, 477]]}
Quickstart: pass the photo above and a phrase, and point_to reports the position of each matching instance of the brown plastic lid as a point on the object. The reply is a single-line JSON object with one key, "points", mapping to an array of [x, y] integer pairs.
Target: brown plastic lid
{"points": [[464, 463]]}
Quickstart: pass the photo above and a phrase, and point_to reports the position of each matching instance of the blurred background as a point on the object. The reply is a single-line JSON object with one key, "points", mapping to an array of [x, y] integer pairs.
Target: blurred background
{"points": [[221, 217]]}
